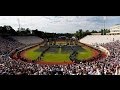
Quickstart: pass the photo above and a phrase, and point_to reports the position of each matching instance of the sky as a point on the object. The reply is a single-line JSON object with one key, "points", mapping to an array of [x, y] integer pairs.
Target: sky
{"points": [[60, 24]]}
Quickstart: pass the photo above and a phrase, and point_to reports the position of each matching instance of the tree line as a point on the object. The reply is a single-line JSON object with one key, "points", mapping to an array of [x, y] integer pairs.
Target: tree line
{"points": [[82, 33], [9, 31]]}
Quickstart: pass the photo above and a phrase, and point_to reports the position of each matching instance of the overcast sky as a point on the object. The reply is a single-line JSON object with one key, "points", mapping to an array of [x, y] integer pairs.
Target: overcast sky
{"points": [[60, 24]]}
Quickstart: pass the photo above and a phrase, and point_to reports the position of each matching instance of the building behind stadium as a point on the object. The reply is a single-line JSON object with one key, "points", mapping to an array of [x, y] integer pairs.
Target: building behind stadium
{"points": [[114, 30]]}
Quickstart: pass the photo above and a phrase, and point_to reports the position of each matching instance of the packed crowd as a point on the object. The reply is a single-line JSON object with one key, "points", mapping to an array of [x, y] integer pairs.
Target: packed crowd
{"points": [[107, 66], [8, 44]]}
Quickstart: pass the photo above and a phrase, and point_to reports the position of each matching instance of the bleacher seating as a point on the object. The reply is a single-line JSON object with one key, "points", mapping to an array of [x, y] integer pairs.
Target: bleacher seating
{"points": [[99, 39], [28, 39]]}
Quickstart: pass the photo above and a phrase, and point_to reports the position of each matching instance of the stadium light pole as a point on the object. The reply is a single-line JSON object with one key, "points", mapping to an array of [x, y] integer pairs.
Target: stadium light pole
{"points": [[19, 23], [104, 17]]}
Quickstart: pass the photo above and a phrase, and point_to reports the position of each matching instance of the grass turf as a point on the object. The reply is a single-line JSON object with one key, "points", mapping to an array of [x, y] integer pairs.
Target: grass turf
{"points": [[31, 54], [88, 53], [34, 53], [56, 57]]}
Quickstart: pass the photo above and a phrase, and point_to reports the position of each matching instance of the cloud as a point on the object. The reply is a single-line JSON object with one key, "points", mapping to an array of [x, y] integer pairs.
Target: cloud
{"points": [[60, 23]]}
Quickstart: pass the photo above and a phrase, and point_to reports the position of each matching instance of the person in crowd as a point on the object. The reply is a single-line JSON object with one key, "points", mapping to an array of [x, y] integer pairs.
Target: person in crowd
{"points": [[98, 66]]}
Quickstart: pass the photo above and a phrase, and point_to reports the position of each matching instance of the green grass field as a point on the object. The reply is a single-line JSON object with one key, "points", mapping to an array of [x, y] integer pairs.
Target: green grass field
{"points": [[34, 53], [86, 54], [56, 57], [31, 54]]}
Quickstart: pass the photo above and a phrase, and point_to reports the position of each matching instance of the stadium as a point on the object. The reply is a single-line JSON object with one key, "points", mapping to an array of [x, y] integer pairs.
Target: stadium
{"points": [[57, 52], [42, 53]]}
